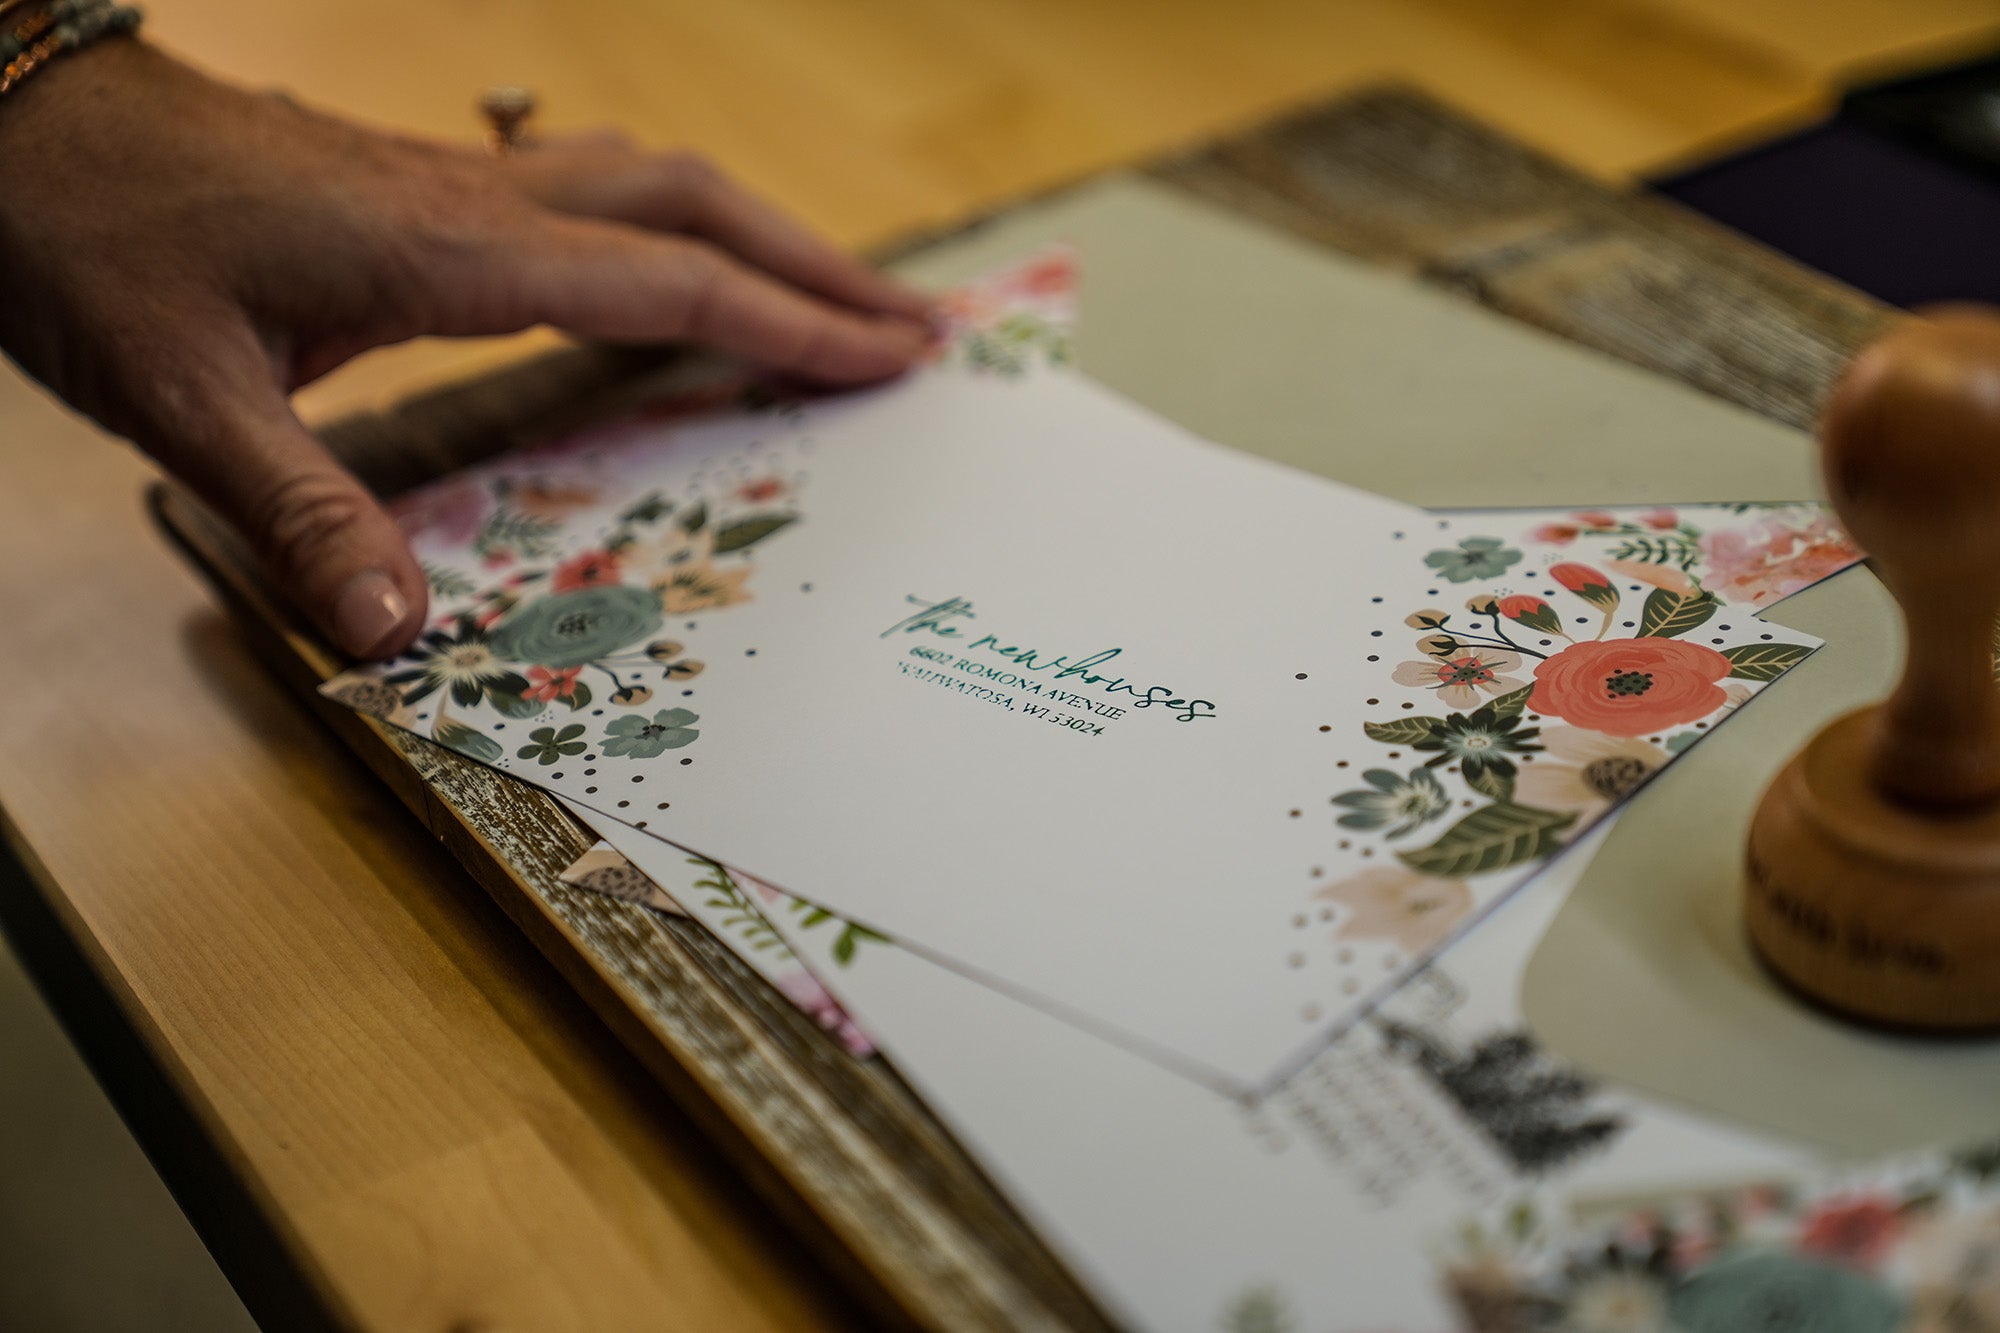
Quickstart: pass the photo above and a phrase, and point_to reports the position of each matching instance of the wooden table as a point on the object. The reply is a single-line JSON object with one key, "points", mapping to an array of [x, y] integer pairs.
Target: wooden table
{"points": [[376, 1101]]}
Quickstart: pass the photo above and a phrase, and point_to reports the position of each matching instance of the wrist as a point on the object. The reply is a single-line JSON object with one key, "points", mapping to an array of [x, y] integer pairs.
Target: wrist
{"points": [[38, 35]]}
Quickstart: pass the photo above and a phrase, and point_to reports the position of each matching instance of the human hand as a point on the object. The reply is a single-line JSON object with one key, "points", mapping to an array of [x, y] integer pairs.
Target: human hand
{"points": [[180, 255]]}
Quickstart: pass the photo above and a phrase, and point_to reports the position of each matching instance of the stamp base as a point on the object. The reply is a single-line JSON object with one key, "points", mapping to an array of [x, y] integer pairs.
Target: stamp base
{"points": [[1876, 913]]}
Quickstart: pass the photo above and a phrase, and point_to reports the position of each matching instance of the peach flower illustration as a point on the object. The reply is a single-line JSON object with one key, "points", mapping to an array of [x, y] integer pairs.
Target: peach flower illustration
{"points": [[672, 547], [1951, 1261], [1461, 678], [1630, 687], [1586, 771], [550, 500], [697, 585], [1411, 910], [1667, 577]]}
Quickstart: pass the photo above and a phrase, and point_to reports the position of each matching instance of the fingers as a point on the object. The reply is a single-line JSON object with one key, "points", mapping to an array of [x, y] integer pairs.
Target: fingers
{"points": [[322, 537], [603, 280], [600, 176]]}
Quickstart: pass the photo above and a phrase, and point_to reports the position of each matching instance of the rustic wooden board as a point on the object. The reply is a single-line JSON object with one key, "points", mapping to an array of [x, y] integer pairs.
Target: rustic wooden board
{"points": [[844, 1148]]}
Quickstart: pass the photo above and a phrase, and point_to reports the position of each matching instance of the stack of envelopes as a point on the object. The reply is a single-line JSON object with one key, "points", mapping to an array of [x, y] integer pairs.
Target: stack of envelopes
{"points": [[1017, 731]]}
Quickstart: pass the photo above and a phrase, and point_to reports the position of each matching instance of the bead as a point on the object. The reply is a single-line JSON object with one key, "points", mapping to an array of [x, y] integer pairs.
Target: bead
{"points": [[56, 26]]}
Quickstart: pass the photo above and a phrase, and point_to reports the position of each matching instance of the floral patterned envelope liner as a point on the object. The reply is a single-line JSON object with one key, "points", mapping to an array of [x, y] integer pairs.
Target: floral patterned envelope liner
{"points": [[1560, 666], [719, 901], [1909, 1247]]}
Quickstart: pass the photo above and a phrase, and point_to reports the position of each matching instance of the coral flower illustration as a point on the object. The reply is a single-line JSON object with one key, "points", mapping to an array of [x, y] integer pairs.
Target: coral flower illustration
{"points": [[592, 569], [1532, 611], [1630, 687], [761, 491], [1585, 582], [546, 686], [1555, 534], [1858, 1230]]}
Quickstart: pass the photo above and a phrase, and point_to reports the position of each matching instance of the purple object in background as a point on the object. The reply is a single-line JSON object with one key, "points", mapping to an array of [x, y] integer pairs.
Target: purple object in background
{"points": [[1898, 194]]}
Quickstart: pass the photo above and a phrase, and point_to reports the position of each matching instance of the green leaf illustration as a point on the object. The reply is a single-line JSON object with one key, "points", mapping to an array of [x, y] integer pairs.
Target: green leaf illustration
{"points": [[508, 532], [1259, 1310], [737, 913], [447, 582], [1764, 661], [1677, 548], [743, 532], [649, 509], [1493, 837], [1403, 730], [696, 518], [513, 705], [1492, 781], [472, 744], [851, 936], [1669, 615], [1511, 704], [850, 939]]}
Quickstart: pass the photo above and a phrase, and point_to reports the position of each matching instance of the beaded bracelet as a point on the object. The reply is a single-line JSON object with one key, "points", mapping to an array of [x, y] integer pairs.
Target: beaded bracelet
{"points": [[75, 22], [55, 28]]}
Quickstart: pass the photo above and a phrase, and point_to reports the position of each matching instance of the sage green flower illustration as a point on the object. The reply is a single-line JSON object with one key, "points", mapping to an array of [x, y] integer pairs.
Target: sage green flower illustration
{"points": [[472, 744], [636, 738], [1783, 1293], [569, 629], [1389, 799], [547, 746], [1475, 558]]}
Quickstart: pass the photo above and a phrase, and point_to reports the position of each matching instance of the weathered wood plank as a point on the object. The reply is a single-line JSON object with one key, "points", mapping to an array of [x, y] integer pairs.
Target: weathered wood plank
{"points": [[1399, 179]]}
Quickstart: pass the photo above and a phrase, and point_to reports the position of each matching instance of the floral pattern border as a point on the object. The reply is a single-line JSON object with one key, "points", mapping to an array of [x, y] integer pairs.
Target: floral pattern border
{"points": [[537, 622], [1910, 1248], [1555, 689], [550, 639]]}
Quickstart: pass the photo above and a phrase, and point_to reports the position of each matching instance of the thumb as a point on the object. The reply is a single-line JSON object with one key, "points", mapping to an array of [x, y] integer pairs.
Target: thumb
{"points": [[324, 539]]}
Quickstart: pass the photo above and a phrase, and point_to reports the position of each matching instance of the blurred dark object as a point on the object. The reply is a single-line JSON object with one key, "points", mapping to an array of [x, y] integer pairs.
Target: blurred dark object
{"points": [[1897, 194]]}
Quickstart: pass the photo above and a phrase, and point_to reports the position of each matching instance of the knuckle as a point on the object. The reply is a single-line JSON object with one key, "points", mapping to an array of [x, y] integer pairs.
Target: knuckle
{"points": [[701, 279], [440, 239], [298, 520], [688, 172], [449, 209]]}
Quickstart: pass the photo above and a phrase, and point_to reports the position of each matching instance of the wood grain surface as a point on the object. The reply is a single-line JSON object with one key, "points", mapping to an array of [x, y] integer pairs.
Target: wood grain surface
{"points": [[389, 1110]]}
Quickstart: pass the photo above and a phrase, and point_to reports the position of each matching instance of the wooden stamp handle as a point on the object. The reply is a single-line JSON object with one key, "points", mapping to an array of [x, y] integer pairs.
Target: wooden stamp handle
{"points": [[1911, 448]]}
